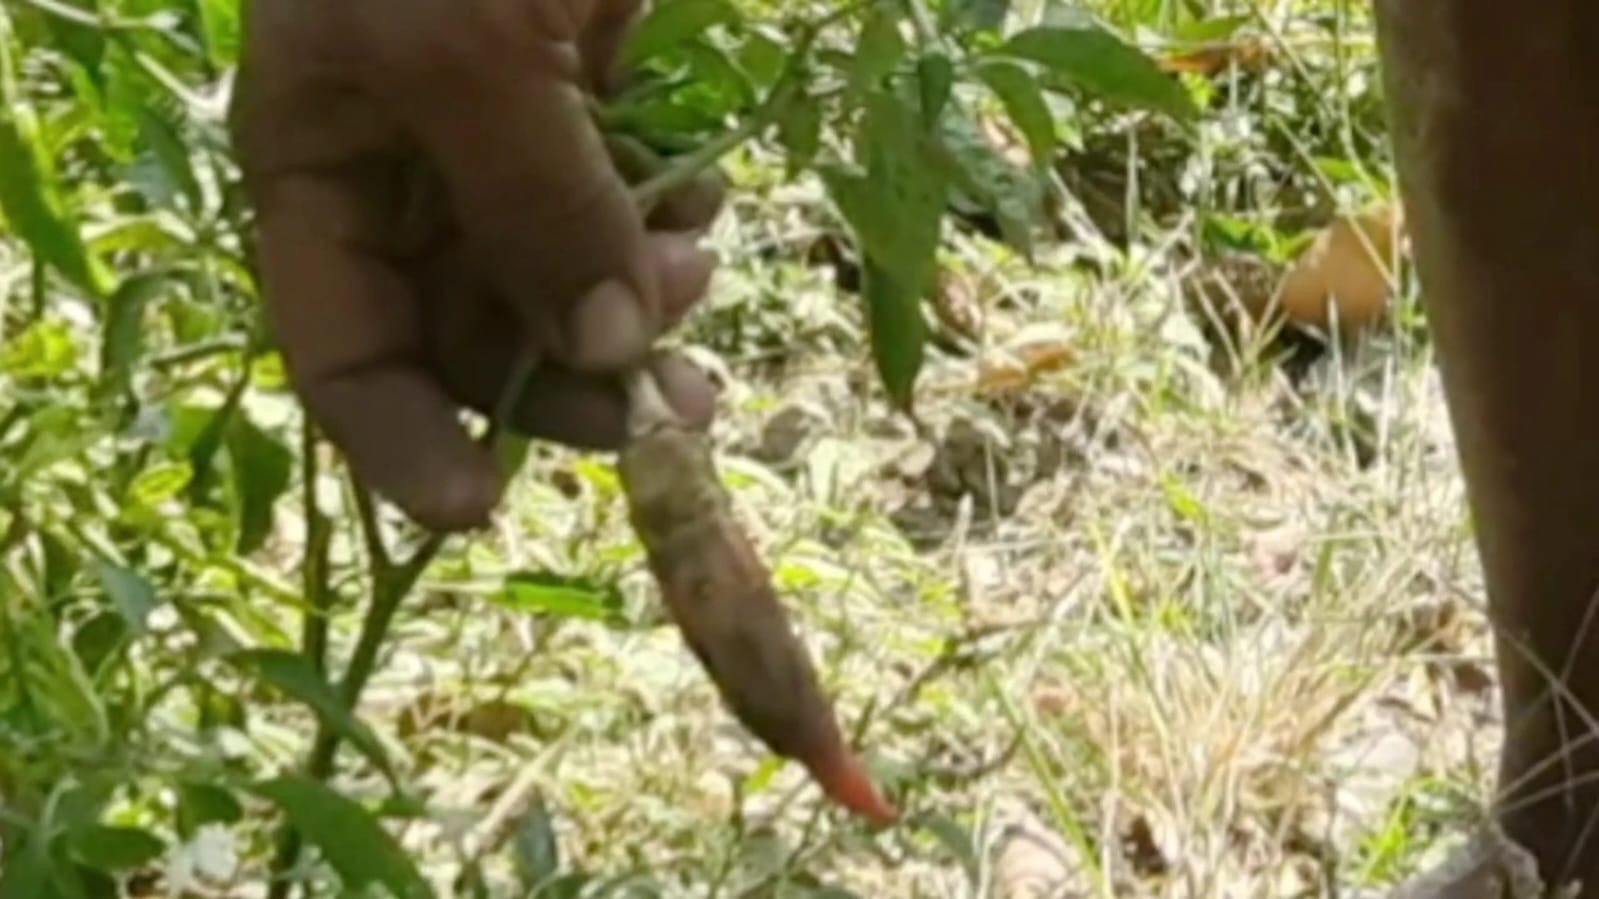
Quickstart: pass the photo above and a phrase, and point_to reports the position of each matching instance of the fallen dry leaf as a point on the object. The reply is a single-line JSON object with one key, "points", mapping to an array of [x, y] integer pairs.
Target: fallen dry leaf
{"points": [[1338, 273], [1214, 58], [1030, 353]]}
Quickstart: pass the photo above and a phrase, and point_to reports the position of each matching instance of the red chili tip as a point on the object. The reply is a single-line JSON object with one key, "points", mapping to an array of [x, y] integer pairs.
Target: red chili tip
{"points": [[846, 781]]}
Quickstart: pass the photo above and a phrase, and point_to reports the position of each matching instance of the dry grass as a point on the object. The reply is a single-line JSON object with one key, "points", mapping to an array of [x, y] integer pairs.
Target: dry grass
{"points": [[1133, 630]]}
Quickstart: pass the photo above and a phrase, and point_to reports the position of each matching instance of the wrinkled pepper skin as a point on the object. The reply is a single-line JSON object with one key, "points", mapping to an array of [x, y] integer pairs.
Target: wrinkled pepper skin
{"points": [[720, 596]]}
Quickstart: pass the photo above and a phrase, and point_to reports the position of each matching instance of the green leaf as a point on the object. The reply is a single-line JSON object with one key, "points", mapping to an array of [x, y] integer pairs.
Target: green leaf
{"points": [[84, 43], [200, 804], [986, 181], [132, 596], [1340, 171], [673, 22], [217, 709], [762, 57], [28, 199], [208, 441], [1024, 103], [349, 837], [122, 345], [896, 207], [549, 594], [262, 471], [47, 349], [1183, 501], [160, 131], [898, 332], [799, 128], [985, 15], [1104, 65], [575, 886], [85, 803], [896, 211], [878, 50], [719, 85], [219, 20], [159, 483], [293, 674], [534, 849], [60, 563], [956, 840], [935, 77], [27, 871], [97, 639], [900, 164], [111, 848]]}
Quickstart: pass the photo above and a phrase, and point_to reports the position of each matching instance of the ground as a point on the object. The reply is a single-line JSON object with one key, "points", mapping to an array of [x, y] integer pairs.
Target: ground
{"points": [[1132, 628]]}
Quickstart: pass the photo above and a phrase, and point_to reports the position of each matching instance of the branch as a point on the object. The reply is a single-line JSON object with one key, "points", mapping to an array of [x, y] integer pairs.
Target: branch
{"points": [[377, 553], [391, 583], [314, 568]]}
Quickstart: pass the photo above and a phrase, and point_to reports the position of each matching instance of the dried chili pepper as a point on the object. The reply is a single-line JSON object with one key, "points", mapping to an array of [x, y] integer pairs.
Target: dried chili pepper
{"points": [[719, 594]]}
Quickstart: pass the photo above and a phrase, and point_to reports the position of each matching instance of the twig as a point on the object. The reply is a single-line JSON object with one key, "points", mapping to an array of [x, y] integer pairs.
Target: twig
{"points": [[377, 552], [649, 192], [492, 831], [200, 350], [391, 583], [314, 628], [314, 568]]}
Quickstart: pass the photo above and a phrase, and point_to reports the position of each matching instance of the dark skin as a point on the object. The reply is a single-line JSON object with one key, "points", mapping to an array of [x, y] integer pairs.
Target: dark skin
{"points": [[432, 203], [395, 308]]}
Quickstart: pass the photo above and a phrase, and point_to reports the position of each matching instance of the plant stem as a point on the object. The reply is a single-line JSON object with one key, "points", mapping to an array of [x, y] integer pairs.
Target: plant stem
{"points": [[391, 583], [195, 352], [314, 569], [689, 166], [377, 552]]}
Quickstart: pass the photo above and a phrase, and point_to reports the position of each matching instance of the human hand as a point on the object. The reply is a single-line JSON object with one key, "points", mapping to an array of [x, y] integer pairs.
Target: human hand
{"points": [[432, 202]]}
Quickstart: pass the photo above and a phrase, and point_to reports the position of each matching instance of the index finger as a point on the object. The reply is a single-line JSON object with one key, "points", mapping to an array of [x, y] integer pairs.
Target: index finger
{"points": [[349, 328]]}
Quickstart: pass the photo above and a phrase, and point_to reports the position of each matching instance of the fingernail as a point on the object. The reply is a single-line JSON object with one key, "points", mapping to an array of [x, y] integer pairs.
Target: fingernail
{"points": [[685, 271], [691, 392], [607, 329]]}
